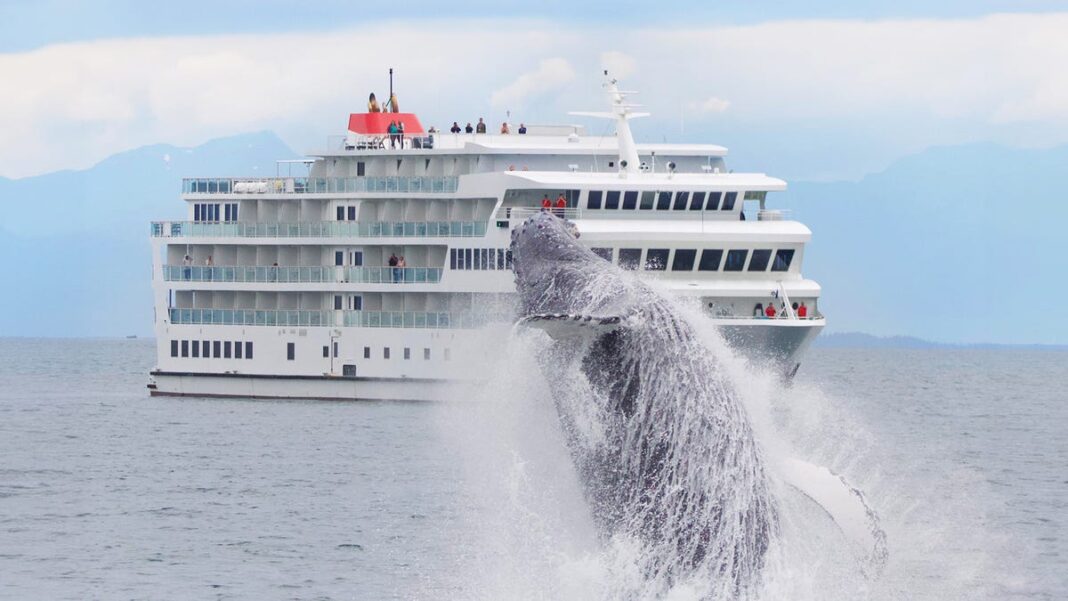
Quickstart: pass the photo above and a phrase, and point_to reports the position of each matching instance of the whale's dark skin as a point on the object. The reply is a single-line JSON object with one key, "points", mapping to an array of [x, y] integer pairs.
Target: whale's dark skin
{"points": [[674, 463]]}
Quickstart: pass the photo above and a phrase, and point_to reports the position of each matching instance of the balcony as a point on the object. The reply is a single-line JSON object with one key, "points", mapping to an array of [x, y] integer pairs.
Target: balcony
{"points": [[320, 229], [321, 185], [311, 274], [300, 318]]}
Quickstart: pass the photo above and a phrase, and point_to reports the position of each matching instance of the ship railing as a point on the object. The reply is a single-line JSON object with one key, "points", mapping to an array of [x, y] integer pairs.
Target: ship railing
{"points": [[320, 229], [773, 215], [815, 315], [415, 184], [303, 318], [381, 141], [525, 212], [305, 274]]}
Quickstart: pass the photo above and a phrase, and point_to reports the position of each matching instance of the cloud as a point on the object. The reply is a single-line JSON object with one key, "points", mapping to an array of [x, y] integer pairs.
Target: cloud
{"points": [[907, 82], [712, 104], [551, 75]]}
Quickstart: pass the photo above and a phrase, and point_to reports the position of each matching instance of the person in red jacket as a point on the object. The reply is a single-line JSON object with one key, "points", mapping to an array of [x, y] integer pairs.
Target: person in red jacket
{"points": [[802, 311], [769, 312], [561, 204], [546, 203]]}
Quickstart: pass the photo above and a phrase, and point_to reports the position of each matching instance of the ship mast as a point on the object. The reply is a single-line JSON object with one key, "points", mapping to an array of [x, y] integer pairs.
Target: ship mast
{"points": [[621, 113]]}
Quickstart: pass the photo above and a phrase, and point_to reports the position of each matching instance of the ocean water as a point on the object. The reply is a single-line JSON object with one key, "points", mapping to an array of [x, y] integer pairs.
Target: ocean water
{"points": [[107, 493]]}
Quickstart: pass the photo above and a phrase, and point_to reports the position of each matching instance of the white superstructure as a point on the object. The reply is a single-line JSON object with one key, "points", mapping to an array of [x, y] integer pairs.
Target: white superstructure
{"points": [[281, 287]]}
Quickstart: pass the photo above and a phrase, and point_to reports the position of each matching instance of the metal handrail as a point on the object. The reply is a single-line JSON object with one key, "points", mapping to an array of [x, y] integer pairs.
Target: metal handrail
{"points": [[443, 184], [304, 318], [320, 229], [305, 274]]}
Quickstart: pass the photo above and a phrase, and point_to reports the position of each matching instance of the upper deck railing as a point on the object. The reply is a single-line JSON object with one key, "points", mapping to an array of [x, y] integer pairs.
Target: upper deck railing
{"points": [[320, 229], [352, 319], [307, 274], [321, 185], [577, 213]]}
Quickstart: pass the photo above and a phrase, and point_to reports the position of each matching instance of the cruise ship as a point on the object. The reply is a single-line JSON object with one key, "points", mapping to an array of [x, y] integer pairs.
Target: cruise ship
{"points": [[377, 272]]}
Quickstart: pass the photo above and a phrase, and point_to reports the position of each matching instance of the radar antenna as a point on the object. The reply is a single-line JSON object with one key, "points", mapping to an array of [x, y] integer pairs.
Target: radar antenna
{"points": [[621, 112]]}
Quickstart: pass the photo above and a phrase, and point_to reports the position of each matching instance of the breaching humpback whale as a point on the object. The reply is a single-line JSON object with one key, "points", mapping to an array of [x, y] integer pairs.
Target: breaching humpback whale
{"points": [[663, 446]]}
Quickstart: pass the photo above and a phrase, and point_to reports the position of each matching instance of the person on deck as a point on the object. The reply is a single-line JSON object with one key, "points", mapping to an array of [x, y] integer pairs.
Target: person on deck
{"points": [[400, 133], [392, 131], [401, 265], [758, 311], [769, 311], [469, 129], [504, 128], [546, 203], [522, 129], [455, 128], [392, 268], [561, 204], [802, 311], [481, 127]]}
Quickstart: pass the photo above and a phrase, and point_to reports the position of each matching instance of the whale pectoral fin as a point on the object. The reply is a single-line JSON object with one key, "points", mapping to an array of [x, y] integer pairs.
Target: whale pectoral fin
{"points": [[572, 325], [844, 504]]}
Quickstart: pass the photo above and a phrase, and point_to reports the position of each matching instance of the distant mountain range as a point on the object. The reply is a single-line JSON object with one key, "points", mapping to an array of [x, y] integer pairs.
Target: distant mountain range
{"points": [[859, 340], [75, 243], [961, 244]]}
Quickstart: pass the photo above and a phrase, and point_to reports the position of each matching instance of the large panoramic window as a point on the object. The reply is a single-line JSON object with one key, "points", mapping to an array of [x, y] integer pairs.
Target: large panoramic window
{"points": [[611, 199], [681, 199], [735, 260], [663, 201], [656, 259], [710, 259], [783, 258], [728, 201], [593, 201], [630, 258], [630, 200], [698, 201], [604, 253], [684, 258], [648, 198], [713, 201], [760, 259]]}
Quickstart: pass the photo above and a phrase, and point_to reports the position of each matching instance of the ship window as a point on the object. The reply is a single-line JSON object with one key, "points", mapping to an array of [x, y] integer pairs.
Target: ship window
{"points": [[698, 201], [713, 201], [357, 302], [467, 258], [185, 348], [593, 201], [341, 213], [656, 259], [604, 253], [326, 351], [248, 350], [755, 195], [500, 258], [684, 258], [647, 200], [335, 349], [663, 201], [196, 348], [485, 258], [710, 259], [339, 257], [207, 349], [508, 259], [611, 199], [759, 261], [226, 349], [783, 258], [407, 353], [337, 302], [681, 198], [237, 350], [174, 348], [357, 258], [728, 201], [735, 260], [385, 352], [426, 354], [196, 212], [366, 352], [630, 200], [452, 258], [629, 258], [218, 347], [361, 168], [352, 213], [348, 370], [291, 351]]}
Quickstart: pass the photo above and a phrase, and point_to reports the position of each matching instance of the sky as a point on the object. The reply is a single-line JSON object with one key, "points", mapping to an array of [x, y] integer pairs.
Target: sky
{"points": [[810, 91]]}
